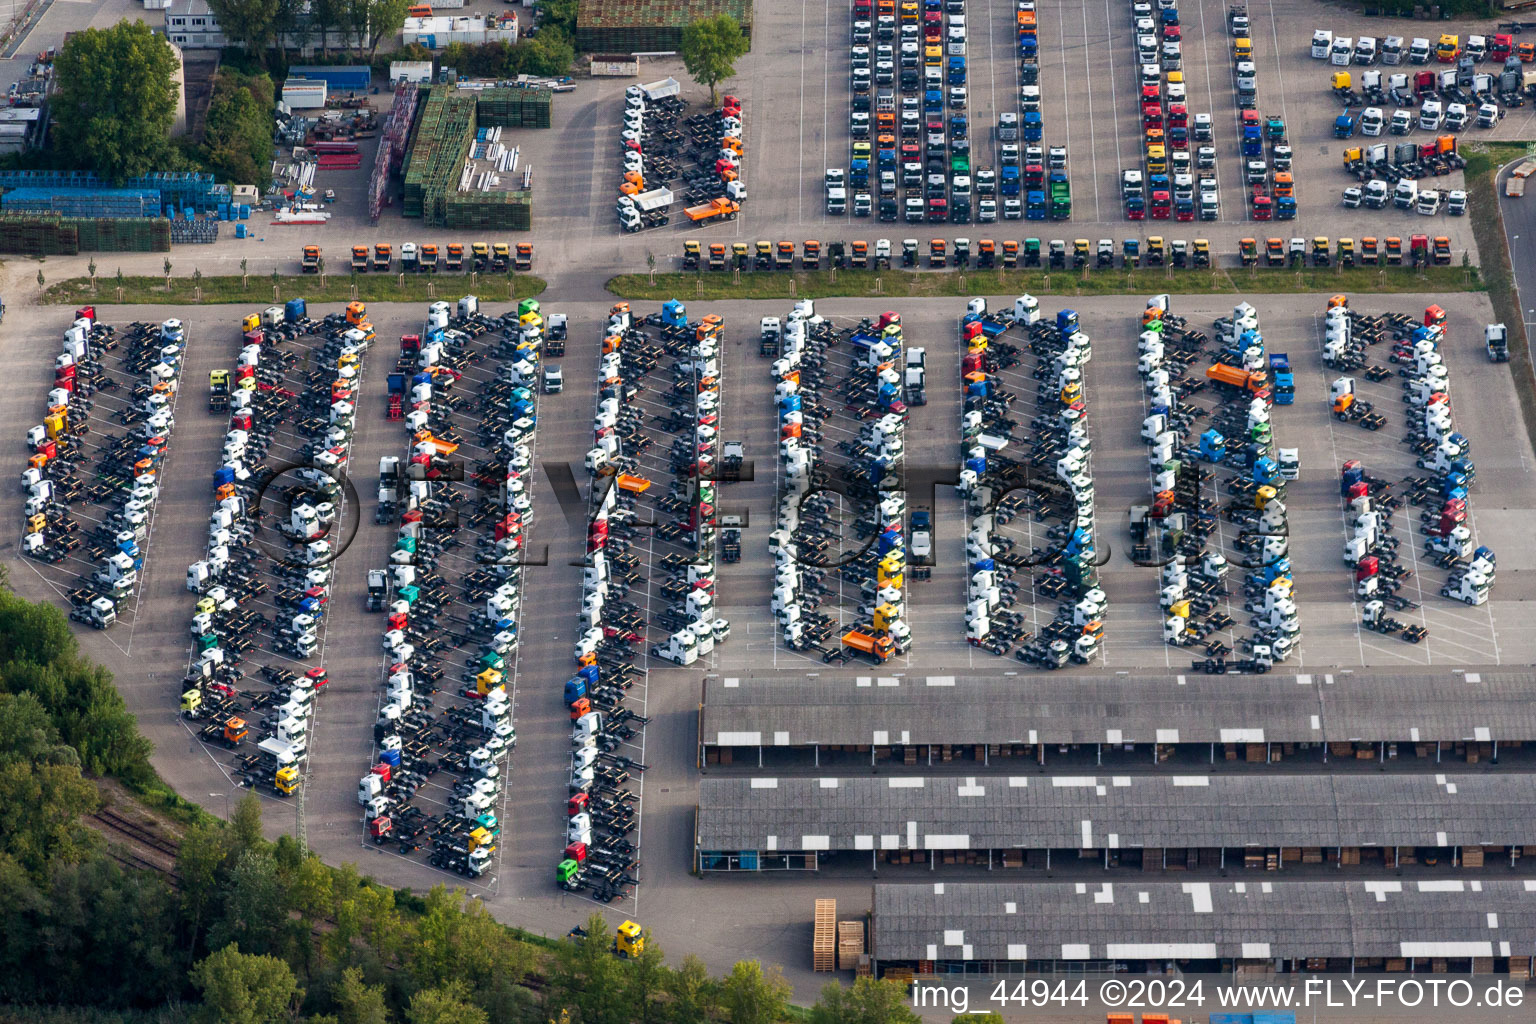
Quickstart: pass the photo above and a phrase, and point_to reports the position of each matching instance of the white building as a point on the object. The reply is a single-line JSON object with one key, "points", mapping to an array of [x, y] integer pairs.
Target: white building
{"points": [[192, 26], [189, 24], [436, 32]]}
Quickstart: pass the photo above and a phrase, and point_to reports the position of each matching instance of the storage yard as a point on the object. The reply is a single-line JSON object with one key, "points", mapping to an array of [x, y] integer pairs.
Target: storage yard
{"points": [[1140, 633]]}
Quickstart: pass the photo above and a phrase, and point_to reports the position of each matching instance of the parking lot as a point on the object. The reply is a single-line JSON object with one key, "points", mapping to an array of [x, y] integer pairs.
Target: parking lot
{"points": [[1133, 632], [1088, 80]]}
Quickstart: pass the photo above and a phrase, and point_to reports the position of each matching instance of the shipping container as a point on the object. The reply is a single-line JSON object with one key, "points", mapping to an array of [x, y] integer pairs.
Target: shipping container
{"points": [[304, 94], [340, 78], [414, 71]]}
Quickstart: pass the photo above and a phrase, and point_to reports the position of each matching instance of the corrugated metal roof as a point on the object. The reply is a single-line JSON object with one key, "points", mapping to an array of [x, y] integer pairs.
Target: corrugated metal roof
{"points": [[1224, 919], [596, 14], [1115, 811], [791, 709]]}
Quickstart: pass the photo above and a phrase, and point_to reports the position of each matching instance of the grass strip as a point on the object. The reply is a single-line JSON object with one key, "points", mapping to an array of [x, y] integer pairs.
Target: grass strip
{"points": [[827, 284], [263, 289], [1483, 163]]}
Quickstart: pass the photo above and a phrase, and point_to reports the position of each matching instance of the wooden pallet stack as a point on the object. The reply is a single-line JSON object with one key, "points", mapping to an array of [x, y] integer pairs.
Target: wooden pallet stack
{"points": [[824, 939], [850, 944]]}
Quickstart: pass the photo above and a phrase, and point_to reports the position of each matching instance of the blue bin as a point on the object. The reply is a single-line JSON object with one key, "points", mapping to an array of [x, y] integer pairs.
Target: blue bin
{"points": [[245, 211], [239, 230]]}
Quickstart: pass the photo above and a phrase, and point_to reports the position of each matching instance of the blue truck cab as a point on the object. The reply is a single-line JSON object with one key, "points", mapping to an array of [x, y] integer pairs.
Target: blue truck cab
{"points": [[1285, 381], [1034, 126], [957, 71], [1009, 181], [1285, 208], [1253, 141], [1034, 205], [1344, 126]]}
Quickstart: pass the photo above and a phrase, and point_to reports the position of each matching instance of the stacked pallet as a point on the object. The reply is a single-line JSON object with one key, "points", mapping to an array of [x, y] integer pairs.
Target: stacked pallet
{"points": [[824, 936], [850, 944]]}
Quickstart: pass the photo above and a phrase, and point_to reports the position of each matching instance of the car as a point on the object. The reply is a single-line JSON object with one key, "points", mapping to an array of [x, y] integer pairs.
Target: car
{"points": [[922, 543], [554, 379]]}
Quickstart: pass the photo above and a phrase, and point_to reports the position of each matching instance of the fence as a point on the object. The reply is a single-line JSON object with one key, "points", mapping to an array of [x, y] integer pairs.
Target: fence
{"points": [[51, 235], [180, 189]]}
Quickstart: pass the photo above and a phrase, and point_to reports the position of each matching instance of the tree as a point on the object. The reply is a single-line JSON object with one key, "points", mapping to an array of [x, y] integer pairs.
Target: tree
{"points": [[251, 23], [240, 988], [199, 859], [359, 1003], [710, 49], [752, 996], [868, 1002], [557, 14], [586, 975], [548, 53], [446, 1004], [115, 101], [694, 993], [648, 978], [381, 18], [238, 136]]}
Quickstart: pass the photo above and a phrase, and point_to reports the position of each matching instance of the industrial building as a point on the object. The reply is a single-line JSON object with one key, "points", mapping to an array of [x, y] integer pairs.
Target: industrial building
{"points": [[1252, 927], [1360, 720], [648, 26], [1146, 822]]}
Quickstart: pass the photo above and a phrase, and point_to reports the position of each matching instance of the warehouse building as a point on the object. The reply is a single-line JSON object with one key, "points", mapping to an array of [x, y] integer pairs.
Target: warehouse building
{"points": [[648, 26], [1444, 926], [1267, 821], [1350, 721]]}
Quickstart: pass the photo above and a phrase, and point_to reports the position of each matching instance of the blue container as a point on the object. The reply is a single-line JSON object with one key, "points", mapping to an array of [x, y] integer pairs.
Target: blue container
{"points": [[348, 77], [295, 309], [240, 231]]}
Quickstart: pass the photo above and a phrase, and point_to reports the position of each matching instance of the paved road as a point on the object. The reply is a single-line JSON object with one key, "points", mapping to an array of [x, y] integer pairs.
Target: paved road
{"points": [[1519, 216]]}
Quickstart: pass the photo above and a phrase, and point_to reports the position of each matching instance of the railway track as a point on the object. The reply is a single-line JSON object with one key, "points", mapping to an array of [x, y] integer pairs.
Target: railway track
{"points": [[134, 836]]}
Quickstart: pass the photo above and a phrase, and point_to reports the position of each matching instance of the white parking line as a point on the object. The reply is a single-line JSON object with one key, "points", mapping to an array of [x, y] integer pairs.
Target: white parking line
{"points": [[1093, 154]]}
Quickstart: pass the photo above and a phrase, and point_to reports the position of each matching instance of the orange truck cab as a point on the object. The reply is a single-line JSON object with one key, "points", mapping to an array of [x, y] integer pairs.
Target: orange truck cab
{"points": [[1236, 377], [879, 647]]}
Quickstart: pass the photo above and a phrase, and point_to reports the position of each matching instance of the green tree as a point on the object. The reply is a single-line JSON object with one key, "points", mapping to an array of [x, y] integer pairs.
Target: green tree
{"points": [[249, 900], [557, 14], [252, 24], [115, 101], [978, 1018], [357, 1002], [868, 1002], [384, 18], [752, 996], [241, 988], [648, 978], [41, 789], [548, 53], [710, 49], [199, 859], [587, 976], [694, 993], [446, 1004], [238, 137]]}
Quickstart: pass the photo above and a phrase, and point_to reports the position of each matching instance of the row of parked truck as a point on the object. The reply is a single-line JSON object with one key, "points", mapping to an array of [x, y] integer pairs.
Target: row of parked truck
{"points": [[428, 258], [701, 154], [74, 444], [1343, 51], [1449, 100]]}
